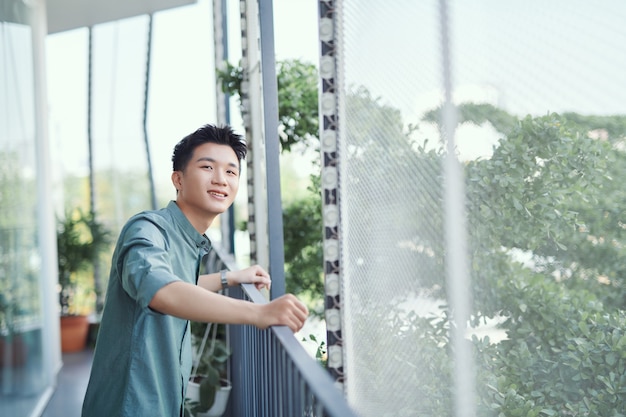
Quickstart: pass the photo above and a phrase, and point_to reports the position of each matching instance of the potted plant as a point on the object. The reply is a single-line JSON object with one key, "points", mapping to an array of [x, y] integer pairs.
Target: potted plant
{"points": [[208, 389], [12, 346], [80, 241]]}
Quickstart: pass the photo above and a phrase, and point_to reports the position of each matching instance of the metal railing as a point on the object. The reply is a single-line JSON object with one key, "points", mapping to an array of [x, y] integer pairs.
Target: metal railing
{"points": [[271, 373]]}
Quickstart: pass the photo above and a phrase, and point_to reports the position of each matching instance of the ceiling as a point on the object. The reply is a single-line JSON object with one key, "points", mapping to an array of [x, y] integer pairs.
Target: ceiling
{"points": [[71, 14]]}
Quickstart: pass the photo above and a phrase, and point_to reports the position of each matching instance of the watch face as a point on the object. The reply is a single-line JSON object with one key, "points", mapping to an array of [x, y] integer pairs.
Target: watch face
{"points": [[223, 278]]}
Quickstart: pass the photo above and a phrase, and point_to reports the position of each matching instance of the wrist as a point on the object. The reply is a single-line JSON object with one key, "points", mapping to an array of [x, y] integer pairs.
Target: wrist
{"points": [[259, 315]]}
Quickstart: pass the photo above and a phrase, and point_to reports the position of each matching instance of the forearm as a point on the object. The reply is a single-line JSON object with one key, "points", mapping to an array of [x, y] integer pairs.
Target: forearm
{"points": [[212, 282], [194, 303], [252, 275]]}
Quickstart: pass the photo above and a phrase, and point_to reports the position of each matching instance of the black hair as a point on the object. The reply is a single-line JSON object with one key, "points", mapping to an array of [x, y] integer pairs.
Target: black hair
{"points": [[221, 135]]}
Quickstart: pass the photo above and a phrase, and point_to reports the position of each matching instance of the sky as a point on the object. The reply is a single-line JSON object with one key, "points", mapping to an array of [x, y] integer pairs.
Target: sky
{"points": [[527, 57]]}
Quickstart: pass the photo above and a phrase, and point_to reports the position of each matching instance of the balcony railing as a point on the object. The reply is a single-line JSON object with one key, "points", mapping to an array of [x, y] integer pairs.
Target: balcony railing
{"points": [[271, 373]]}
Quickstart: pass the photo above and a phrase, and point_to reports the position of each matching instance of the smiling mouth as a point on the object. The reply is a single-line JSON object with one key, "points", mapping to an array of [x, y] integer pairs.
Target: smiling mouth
{"points": [[216, 194]]}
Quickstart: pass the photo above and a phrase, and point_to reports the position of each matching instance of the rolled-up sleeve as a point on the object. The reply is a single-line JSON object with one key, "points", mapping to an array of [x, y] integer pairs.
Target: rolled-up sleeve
{"points": [[145, 264]]}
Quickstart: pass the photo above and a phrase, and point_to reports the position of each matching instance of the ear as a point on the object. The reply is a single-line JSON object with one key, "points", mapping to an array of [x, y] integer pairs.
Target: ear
{"points": [[177, 180]]}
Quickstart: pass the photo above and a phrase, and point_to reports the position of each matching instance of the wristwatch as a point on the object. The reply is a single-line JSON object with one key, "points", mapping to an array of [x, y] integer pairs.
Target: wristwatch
{"points": [[223, 278]]}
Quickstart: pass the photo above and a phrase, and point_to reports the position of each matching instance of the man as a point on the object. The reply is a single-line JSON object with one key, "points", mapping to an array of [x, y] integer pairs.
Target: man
{"points": [[142, 359]]}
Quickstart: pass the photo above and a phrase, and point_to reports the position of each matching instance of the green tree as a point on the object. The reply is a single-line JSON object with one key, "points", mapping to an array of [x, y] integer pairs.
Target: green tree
{"points": [[551, 191]]}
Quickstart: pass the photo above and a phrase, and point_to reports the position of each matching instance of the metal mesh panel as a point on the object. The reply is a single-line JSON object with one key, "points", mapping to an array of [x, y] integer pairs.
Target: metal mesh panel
{"points": [[512, 58], [391, 213]]}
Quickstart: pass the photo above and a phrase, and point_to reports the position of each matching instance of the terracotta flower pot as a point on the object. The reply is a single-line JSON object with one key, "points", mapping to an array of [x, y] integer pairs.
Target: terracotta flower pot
{"points": [[74, 331]]}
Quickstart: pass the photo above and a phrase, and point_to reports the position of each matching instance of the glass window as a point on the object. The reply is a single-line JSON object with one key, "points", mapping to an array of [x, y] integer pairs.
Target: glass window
{"points": [[21, 353]]}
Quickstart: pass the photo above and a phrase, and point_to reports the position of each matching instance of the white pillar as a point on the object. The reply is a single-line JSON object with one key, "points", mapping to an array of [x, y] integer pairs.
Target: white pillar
{"points": [[45, 218]]}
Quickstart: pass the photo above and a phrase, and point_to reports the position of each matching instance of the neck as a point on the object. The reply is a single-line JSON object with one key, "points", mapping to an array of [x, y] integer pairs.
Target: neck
{"points": [[200, 220]]}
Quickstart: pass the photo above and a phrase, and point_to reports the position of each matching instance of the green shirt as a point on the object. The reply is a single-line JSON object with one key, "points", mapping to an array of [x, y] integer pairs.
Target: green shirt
{"points": [[142, 359]]}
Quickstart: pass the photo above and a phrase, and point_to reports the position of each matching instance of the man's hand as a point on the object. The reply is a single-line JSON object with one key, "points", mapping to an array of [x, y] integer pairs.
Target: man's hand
{"points": [[286, 310], [252, 275]]}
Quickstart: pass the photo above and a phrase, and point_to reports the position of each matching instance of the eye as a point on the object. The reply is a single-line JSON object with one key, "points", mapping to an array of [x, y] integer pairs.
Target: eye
{"points": [[206, 167], [231, 172]]}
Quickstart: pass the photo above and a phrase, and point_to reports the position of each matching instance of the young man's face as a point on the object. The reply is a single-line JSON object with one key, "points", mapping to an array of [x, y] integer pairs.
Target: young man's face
{"points": [[210, 182]]}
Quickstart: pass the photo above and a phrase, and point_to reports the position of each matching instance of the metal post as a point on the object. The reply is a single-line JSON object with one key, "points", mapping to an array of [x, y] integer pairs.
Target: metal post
{"points": [[146, 140], [220, 34], [272, 149], [457, 265]]}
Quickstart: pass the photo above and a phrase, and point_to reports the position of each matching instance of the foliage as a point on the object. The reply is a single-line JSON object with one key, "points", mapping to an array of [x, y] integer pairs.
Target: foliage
{"points": [[549, 192], [81, 238], [321, 353], [297, 98], [531, 196], [302, 225], [565, 355], [297, 102]]}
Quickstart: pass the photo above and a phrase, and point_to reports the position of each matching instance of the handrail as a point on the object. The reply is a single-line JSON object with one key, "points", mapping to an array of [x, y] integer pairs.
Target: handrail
{"points": [[271, 373]]}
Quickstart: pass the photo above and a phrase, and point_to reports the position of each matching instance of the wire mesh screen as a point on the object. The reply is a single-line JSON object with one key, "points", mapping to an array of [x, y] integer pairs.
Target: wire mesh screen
{"points": [[538, 91]]}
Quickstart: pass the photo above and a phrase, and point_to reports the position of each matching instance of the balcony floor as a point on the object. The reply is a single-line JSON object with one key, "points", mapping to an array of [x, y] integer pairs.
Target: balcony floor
{"points": [[67, 399]]}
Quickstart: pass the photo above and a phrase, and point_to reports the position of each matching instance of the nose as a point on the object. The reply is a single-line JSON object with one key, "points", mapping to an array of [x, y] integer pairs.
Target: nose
{"points": [[218, 177]]}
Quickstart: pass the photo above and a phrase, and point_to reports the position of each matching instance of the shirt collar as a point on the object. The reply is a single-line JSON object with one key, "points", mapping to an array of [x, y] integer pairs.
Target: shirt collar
{"points": [[201, 241]]}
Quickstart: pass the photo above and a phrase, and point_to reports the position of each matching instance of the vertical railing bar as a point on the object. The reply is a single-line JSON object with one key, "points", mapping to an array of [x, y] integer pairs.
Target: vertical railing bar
{"points": [[275, 393], [268, 370], [242, 365], [255, 393], [297, 394], [245, 364], [302, 393], [290, 410], [252, 392], [261, 365], [247, 395], [258, 364], [265, 380], [294, 389], [268, 350], [280, 376], [284, 373], [272, 376], [285, 396], [249, 366], [271, 395]]}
